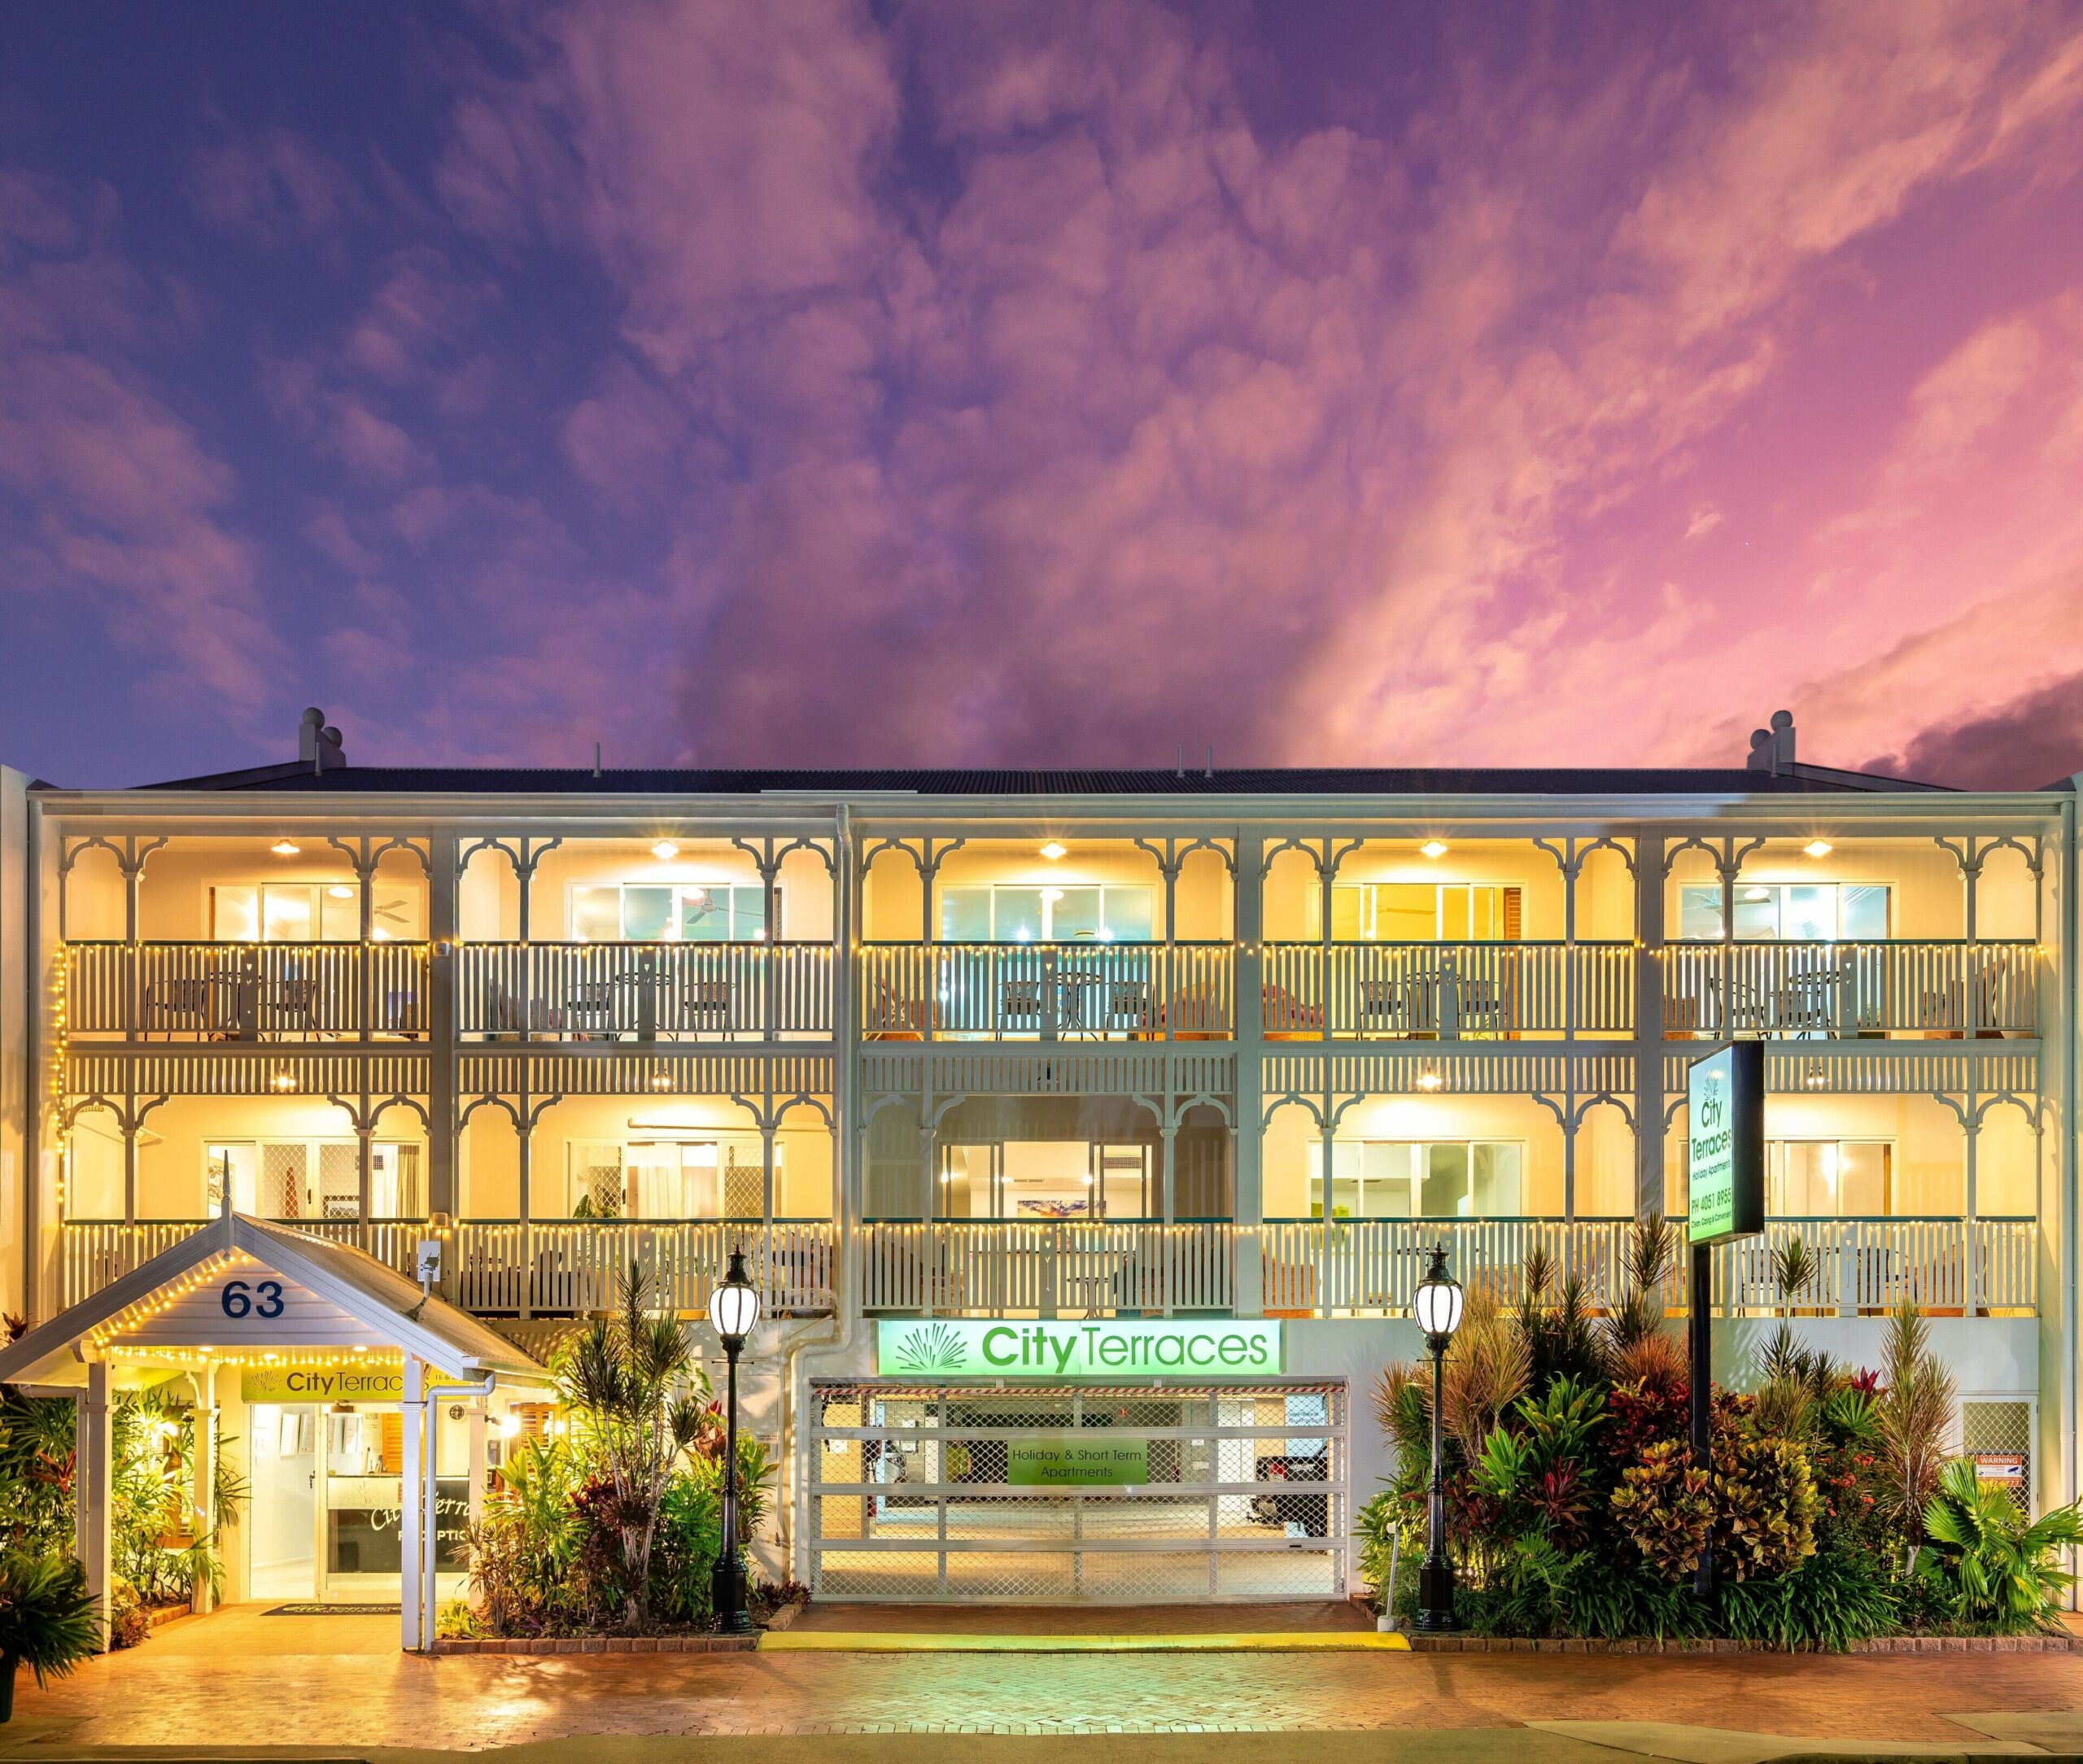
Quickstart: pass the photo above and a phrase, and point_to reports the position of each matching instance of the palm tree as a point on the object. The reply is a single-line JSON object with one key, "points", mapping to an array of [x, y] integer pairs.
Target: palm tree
{"points": [[1915, 1414], [633, 1380]]}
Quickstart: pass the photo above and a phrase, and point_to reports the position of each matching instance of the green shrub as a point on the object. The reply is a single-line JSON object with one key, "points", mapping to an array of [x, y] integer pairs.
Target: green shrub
{"points": [[1991, 1568], [1665, 1508], [46, 1617], [1765, 1506], [1833, 1599]]}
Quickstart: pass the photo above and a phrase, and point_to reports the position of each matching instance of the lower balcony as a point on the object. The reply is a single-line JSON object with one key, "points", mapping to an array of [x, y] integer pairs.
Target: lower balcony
{"points": [[1369, 1268], [516, 1268]]}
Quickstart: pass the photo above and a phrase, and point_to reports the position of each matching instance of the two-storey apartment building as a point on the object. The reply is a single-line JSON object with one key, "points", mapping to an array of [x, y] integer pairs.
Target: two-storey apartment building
{"points": [[1085, 1130]]}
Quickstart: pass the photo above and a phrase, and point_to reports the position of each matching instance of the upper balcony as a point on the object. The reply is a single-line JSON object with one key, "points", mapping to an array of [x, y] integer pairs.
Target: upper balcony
{"points": [[1091, 940], [670, 939]]}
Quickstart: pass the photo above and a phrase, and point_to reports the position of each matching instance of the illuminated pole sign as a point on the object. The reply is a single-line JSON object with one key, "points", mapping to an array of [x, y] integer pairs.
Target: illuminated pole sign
{"points": [[1725, 1144], [971, 1347]]}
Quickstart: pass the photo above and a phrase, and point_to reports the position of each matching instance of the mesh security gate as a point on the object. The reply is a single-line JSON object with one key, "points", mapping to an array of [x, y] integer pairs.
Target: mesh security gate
{"points": [[1095, 1492]]}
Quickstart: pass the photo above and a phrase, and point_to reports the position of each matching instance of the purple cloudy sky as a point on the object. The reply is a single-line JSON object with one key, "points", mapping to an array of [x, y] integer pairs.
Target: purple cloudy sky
{"points": [[807, 381]]}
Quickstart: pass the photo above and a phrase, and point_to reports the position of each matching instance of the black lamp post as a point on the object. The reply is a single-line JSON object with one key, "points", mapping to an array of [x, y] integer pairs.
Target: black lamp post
{"points": [[733, 1311], [1437, 1309]]}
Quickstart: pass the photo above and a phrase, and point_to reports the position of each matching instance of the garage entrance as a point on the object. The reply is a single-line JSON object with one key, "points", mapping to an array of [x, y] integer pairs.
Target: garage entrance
{"points": [[1100, 1492]]}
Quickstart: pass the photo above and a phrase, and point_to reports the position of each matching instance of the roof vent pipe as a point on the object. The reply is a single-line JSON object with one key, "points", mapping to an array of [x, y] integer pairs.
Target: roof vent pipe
{"points": [[1182, 759], [1210, 772], [1772, 750], [318, 744]]}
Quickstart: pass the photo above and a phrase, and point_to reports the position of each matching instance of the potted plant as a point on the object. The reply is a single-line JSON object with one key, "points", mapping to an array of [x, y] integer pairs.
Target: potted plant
{"points": [[47, 1619]]}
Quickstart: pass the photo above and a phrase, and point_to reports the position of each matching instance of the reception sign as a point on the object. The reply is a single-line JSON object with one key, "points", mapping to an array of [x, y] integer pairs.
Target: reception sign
{"points": [[1725, 1144], [289, 1383], [1067, 1461], [971, 1347]]}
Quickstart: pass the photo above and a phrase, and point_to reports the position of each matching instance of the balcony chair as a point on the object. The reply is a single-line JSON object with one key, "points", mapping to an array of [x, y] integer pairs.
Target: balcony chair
{"points": [[705, 1006], [290, 1003], [1021, 1005], [188, 1004], [589, 1010], [1289, 1019], [891, 1017]]}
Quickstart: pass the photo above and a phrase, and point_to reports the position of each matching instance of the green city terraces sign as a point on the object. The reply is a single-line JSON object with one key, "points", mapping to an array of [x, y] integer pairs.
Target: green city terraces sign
{"points": [[971, 1347]]}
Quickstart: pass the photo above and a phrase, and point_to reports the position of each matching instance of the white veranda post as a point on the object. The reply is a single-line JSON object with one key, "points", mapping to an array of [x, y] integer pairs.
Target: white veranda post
{"points": [[415, 1623]]}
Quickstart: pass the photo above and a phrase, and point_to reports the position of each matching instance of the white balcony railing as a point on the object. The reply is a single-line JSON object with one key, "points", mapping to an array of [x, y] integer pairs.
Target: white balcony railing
{"points": [[249, 992], [1048, 991], [1446, 990], [1091, 1268], [1844, 990], [93, 1254], [1054, 1268], [573, 1266], [644, 991], [1370, 1267]]}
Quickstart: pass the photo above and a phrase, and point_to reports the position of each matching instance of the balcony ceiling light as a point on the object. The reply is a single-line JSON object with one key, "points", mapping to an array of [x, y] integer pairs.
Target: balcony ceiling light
{"points": [[664, 851], [1818, 848], [1757, 894], [1434, 847], [286, 848], [1054, 850], [339, 890]]}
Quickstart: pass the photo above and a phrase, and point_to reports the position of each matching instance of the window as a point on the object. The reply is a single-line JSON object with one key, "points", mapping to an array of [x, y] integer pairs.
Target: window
{"points": [[996, 912], [1418, 912], [1787, 912], [1049, 1179], [1406, 1179], [1829, 1178], [679, 912], [311, 912], [712, 1178], [313, 1178]]}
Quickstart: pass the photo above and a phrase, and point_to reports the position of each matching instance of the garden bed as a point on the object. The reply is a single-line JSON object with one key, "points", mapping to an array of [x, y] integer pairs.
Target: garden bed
{"points": [[599, 1644], [1878, 1644]]}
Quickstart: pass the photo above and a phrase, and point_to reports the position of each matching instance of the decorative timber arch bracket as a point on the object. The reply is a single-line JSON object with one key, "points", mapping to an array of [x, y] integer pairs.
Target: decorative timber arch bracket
{"points": [[129, 850], [1972, 852], [524, 852], [928, 852]]}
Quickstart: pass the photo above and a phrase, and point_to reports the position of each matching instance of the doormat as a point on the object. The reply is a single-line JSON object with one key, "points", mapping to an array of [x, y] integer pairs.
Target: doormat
{"points": [[331, 1610]]}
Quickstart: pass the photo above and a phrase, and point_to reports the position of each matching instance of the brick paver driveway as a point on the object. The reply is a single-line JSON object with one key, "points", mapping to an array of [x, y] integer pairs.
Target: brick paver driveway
{"points": [[241, 1678]]}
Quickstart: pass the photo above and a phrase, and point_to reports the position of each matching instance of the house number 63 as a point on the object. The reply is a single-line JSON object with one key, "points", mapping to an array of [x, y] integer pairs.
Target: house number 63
{"points": [[265, 1300]]}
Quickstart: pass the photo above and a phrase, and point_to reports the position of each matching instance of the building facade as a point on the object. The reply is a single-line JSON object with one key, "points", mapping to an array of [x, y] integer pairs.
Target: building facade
{"points": [[1084, 1131]]}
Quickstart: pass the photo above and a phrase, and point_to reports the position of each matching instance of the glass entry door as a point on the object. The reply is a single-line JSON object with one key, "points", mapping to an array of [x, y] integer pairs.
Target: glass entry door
{"points": [[328, 1502]]}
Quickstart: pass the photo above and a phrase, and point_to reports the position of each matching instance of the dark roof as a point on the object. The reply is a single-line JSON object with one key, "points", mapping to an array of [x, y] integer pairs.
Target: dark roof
{"points": [[1299, 780]]}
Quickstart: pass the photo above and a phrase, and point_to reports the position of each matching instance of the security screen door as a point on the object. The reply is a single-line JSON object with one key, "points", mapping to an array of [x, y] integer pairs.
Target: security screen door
{"points": [[1097, 1493]]}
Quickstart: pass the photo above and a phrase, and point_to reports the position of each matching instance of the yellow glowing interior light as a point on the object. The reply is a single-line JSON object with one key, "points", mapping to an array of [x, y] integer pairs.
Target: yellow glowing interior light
{"points": [[340, 891], [1054, 850], [1434, 847], [1757, 894], [664, 851], [286, 848], [1819, 847]]}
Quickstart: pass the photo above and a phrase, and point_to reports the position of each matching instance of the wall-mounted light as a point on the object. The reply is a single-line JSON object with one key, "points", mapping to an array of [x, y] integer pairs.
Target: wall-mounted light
{"points": [[1819, 847], [664, 851], [1429, 1081], [1434, 847], [1054, 850], [286, 848], [662, 1081], [282, 1081]]}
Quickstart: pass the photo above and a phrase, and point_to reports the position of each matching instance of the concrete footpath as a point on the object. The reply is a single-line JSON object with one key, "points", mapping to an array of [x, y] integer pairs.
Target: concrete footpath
{"points": [[242, 1683]]}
